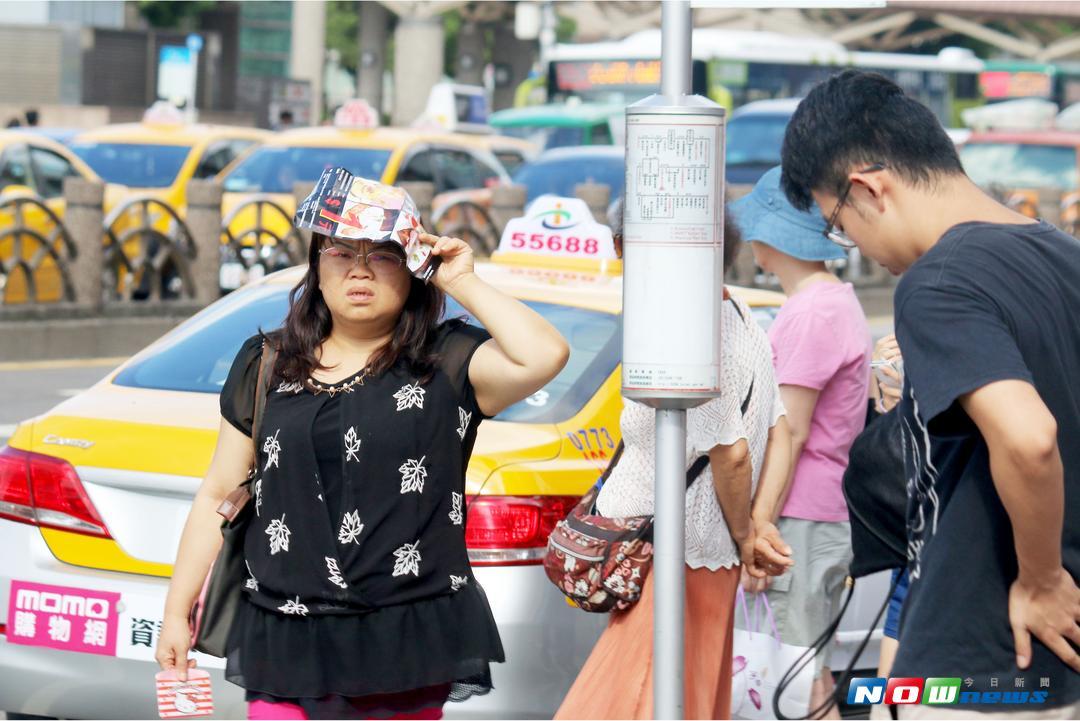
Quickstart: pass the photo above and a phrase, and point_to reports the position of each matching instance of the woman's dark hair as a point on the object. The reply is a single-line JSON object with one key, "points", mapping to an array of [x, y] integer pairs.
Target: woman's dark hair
{"points": [[732, 240], [732, 236], [857, 118], [309, 322]]}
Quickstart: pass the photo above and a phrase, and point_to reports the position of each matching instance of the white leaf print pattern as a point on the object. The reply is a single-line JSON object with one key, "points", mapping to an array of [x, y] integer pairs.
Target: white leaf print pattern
{"points": [[279, 535], [408, 560], [458, 582], [463, 422], [251, 583], [272, 448], [413, 474], [290, 387], [258, 497], [334, 573], [352, 446], [456, 516], [294, 608], [410, 396], [351, 528]]}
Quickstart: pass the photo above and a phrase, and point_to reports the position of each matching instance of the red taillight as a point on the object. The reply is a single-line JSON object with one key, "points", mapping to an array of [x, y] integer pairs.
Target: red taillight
{"points": [[16, 503], [46, 491], [513, 530]]}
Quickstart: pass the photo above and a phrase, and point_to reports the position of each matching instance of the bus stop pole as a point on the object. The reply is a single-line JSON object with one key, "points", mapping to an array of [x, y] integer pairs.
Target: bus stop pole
{"points": [[669, 547]]}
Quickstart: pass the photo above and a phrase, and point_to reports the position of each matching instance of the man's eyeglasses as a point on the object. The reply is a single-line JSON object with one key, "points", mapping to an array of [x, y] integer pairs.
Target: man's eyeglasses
{"points": [[831, 232], [342, 258]]}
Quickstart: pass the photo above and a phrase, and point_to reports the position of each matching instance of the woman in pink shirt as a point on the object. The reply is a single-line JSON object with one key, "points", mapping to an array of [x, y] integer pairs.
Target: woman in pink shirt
{"points": [[821, 349]]}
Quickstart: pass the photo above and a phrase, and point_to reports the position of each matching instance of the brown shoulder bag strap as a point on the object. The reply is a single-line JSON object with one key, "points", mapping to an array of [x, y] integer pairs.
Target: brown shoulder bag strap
{"points": [[238, 498], [262, 389]]}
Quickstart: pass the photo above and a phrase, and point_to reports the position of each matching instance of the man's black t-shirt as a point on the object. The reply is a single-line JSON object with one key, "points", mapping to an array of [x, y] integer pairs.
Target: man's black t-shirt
{"points": [[988, 303]]}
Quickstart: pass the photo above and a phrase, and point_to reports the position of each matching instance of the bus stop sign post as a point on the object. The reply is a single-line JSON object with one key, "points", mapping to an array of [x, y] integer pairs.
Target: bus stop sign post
{"points": [[672, 296]]}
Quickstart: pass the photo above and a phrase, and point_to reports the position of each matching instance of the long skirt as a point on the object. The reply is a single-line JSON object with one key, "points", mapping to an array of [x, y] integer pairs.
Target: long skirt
{"points": [[616, 681]]}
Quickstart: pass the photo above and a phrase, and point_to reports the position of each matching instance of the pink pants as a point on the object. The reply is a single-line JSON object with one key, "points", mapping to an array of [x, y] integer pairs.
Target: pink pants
{"points": [[265, 711]]}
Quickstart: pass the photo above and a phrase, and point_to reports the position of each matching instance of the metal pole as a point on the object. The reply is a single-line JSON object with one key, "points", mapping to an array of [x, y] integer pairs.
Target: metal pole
{"points": [[669, 563], [669, 548], [675, 50]]}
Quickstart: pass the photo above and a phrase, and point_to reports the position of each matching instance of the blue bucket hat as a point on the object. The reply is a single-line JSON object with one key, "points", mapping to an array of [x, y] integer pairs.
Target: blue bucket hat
{"points": [[766, 216]]}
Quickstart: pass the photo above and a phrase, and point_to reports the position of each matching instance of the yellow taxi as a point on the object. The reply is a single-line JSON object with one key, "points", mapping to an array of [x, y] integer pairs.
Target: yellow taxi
{"points": [[32, 165], [94, 494], [159, 157], [450, 161]]}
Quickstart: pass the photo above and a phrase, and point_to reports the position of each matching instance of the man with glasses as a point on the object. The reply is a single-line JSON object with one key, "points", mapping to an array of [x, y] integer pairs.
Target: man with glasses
{"points": [[985, 314]]}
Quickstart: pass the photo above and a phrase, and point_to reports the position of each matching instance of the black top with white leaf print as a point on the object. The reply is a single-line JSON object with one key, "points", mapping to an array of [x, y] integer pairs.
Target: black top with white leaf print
{"points": [[356, 550], [359, 492]]}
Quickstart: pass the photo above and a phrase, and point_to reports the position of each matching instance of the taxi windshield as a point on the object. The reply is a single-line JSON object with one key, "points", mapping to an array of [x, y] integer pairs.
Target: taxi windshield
{"points": [[276, 169], [134, 164], [197, 356]]}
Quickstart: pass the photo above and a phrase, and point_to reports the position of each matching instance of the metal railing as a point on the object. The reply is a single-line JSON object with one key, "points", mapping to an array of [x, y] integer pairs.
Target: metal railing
{"points": [[270, 243], [148, 251], [35, 252], [470, 222]]}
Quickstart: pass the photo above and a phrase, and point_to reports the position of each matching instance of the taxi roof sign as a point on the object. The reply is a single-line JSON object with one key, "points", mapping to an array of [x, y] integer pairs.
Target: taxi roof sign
{"points": [[557, 231], [356, 114], [163, 112]]}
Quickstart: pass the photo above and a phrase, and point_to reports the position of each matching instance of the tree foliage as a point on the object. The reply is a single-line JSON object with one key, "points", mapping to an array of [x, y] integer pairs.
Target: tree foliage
{"points": [[172, 14]]}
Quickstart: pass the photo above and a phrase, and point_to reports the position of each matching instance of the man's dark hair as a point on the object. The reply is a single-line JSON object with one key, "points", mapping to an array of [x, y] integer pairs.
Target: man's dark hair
{"points": [[858, 118], [31, 117], [286, 116]]}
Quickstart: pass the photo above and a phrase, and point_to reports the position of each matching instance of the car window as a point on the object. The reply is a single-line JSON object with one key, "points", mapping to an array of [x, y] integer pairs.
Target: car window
{"points": [[420, 168], [135, 165], [275, 169], [1016, 165], [511, 160], [559, 176], [595, 340], [240, 146], [15, 166], [755, 139], [50, 169], [217, 155], [601, 134], [459, 170], [197, 356]]}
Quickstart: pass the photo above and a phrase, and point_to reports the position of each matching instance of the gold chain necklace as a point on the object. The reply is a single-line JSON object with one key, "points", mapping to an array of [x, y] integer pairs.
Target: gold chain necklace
{"points": [[333, 390]]}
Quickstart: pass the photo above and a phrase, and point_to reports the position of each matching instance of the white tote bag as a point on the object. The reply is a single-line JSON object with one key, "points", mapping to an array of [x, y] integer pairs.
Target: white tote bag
{"points": [[760, 660]]}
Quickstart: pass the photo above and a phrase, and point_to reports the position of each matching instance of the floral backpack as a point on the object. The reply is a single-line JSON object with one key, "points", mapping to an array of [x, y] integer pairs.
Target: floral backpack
{"points": [[600, 564]]}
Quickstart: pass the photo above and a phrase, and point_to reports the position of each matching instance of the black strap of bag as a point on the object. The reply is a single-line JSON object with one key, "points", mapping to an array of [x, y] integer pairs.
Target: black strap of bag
{"points": [[212, 615], [238, 498], [818, 646], [874, 488]]}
